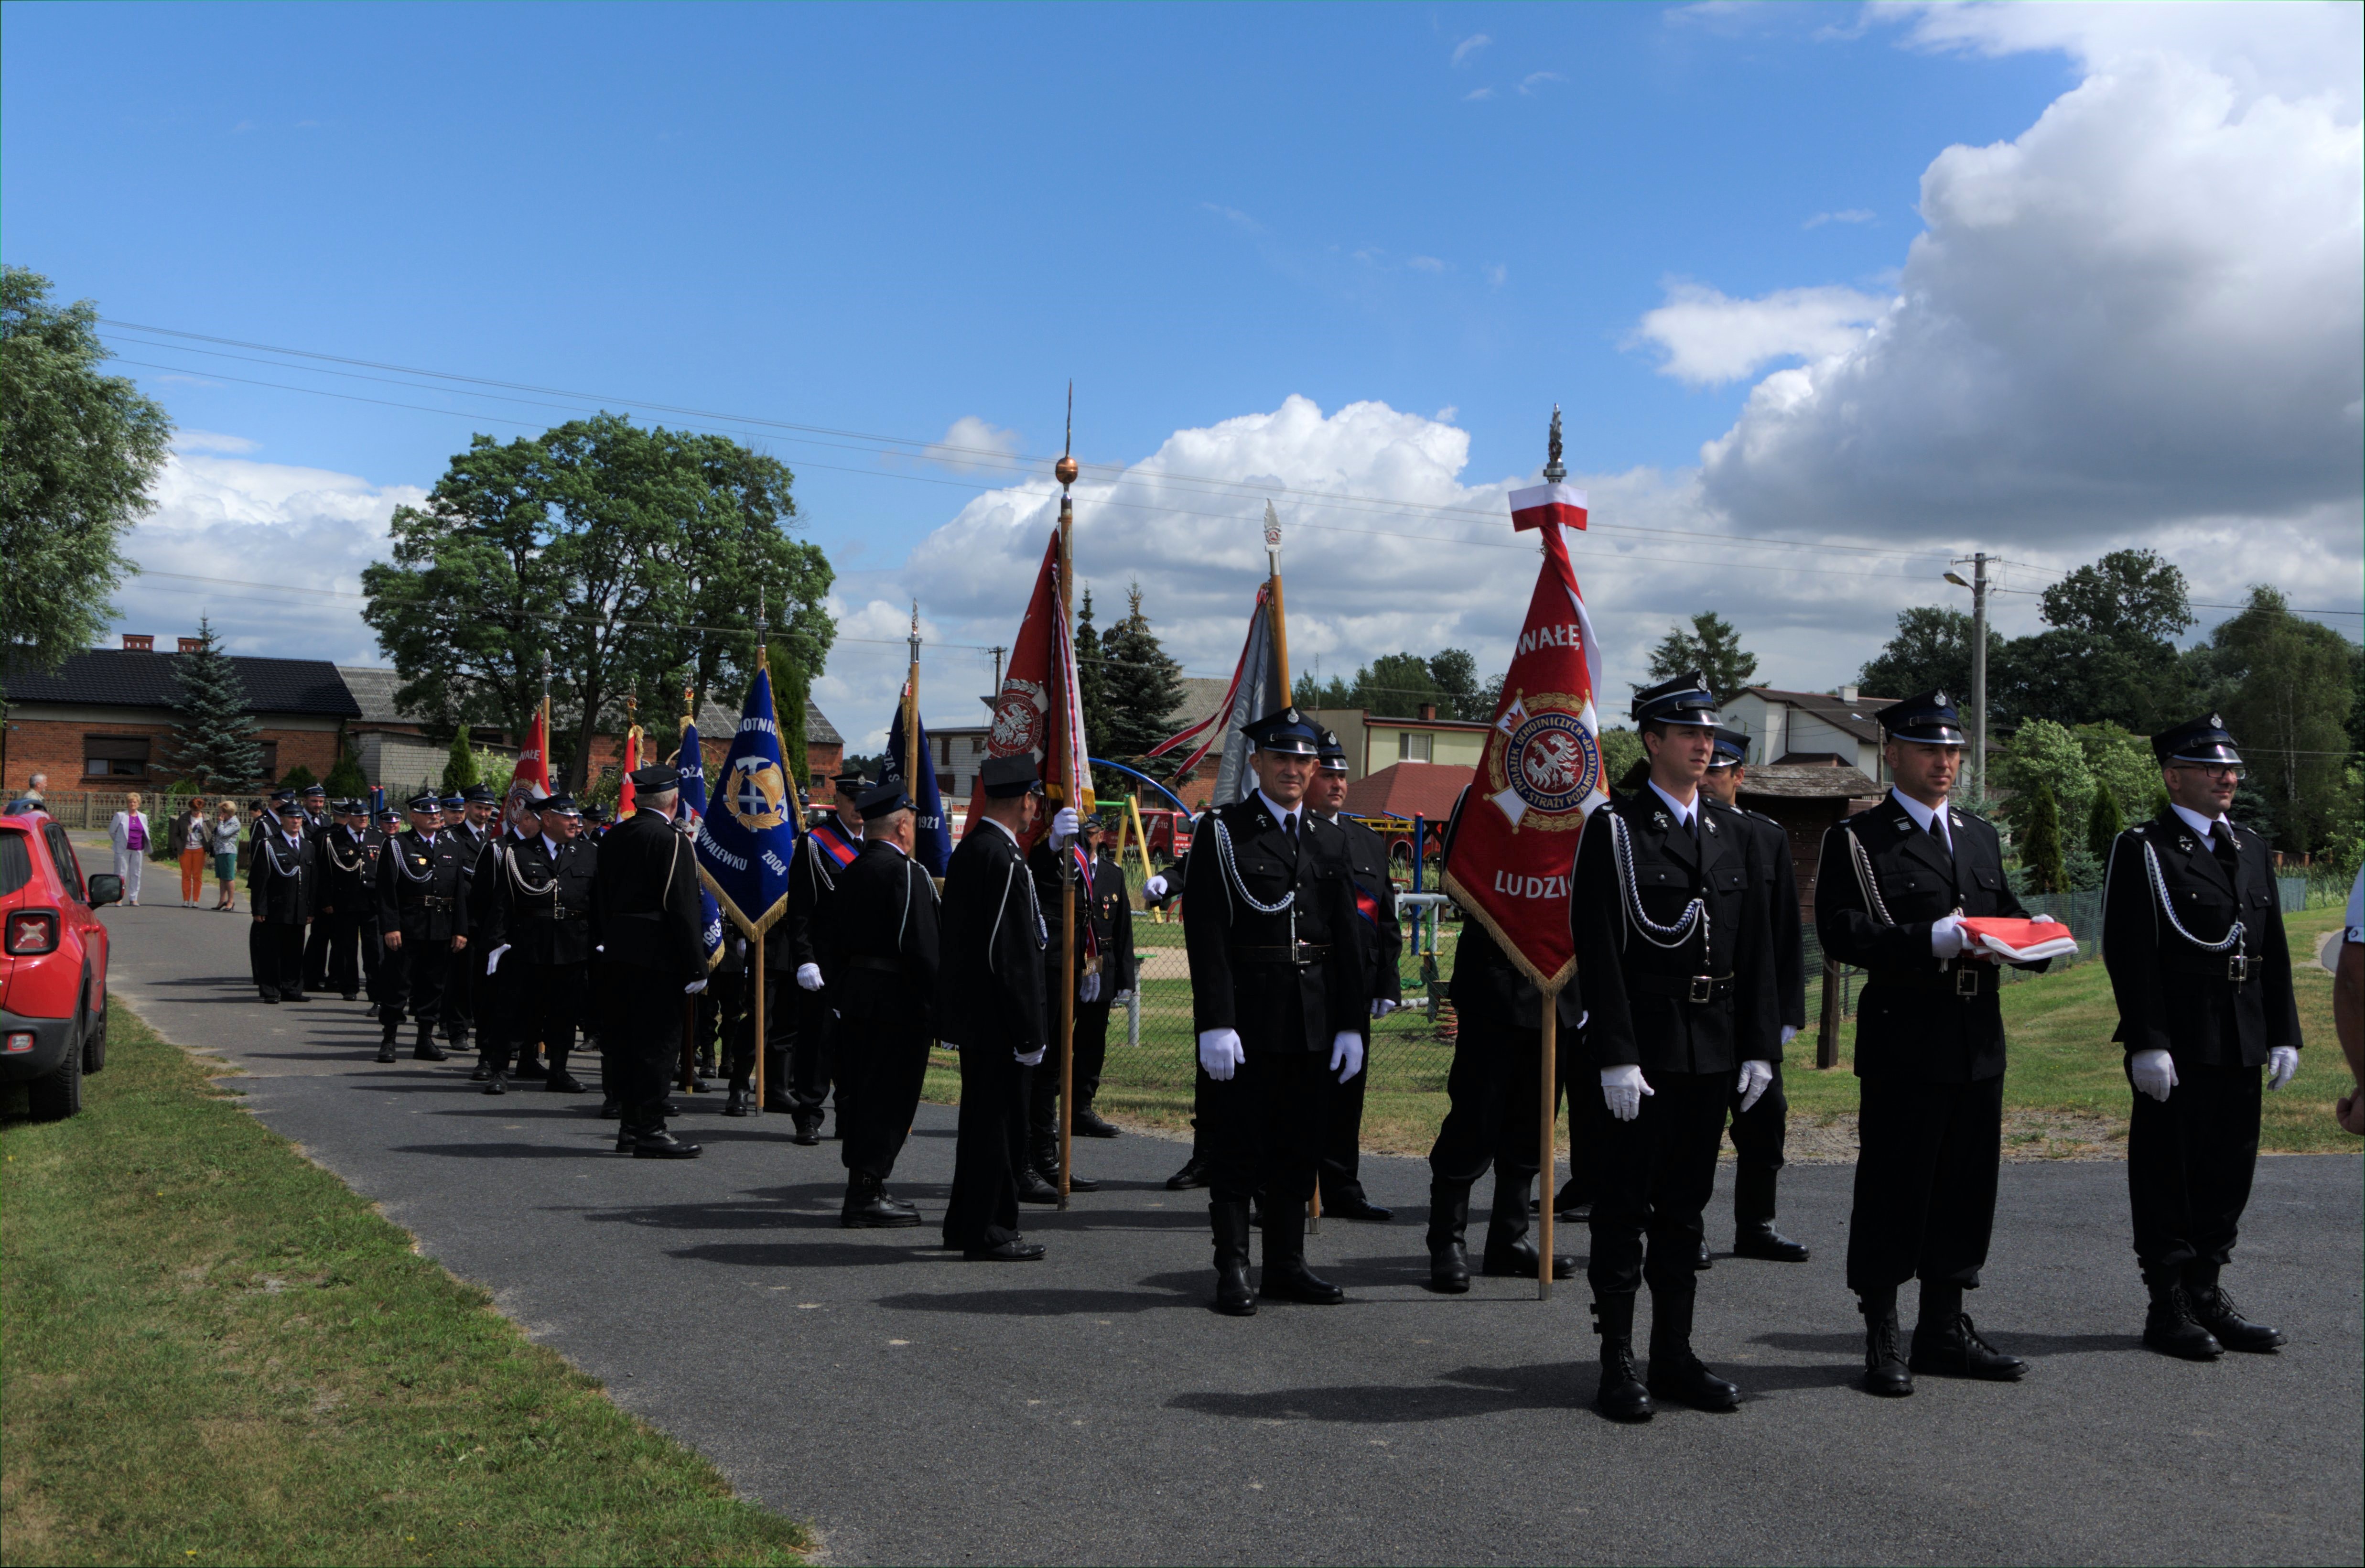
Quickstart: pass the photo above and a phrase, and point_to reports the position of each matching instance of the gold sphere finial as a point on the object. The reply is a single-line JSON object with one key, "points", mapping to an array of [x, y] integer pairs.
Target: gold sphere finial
{"points": [[1065, 469]]}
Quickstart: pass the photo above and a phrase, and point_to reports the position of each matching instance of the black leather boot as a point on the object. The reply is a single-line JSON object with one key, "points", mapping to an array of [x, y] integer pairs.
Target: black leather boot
{"points": [[741, 1101], [1754, 1235], [1884, 1371], [1946, 1343], [386, 1040], [2215, 1311], [1574, 1202], [1621, 1395], [1089, 1122], [529, 1064], [1448, 1216], [1033, 1189], [868, 1207], [805, 1131], [1509, 1253], [1192, 1174], [427, 1049], [611, 1108], [1675, 1372], [655, 1143], [496, 1081], [562, 1081], [458, 1039], [484, 1068], [1045, 1155], [1229, 1221], [1286, 1277], [2170, 1327]]}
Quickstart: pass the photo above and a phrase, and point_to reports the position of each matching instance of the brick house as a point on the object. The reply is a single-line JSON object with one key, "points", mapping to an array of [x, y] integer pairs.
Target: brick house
{"points": [[103, 719]]}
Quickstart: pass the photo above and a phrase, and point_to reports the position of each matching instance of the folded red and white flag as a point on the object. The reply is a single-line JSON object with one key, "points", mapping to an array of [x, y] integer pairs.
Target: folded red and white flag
{"points": [[2022, 941], [1540, 504]]}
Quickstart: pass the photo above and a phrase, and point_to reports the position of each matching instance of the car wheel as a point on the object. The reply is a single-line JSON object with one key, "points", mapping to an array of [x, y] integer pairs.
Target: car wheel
{"points": [[93, 1046], [55, 1097]]}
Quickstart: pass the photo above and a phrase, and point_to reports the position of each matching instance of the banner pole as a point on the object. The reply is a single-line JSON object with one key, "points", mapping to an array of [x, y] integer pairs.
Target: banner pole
{"points": [[1544, 1160], [1066, 472], [757, 954]]}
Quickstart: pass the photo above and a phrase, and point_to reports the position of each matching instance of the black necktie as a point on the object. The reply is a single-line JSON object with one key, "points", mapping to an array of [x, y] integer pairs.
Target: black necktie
{"points": [[1289, 823], [1939, 834], [2221, 843]]}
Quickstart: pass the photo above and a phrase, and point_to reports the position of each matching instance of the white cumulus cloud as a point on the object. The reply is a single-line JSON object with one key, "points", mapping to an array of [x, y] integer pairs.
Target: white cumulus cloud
{"points": [[971, 445], [1707, 339]]}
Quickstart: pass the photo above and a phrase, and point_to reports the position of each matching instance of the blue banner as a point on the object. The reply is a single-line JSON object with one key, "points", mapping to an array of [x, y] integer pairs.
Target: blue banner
{"points": [[747, 839], [690, 758], [932, 842]]}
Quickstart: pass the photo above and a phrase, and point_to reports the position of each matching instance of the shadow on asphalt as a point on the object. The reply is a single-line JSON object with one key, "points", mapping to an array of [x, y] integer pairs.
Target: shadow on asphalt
{"points": [[602, 1150], [818, 1254], [2036, 1347], [1457, 1395], [1164, 1292], [775, 1207]]}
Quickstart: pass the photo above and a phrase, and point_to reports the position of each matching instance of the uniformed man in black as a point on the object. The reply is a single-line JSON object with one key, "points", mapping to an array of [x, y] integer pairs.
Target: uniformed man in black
{"points": [[1759, 1131], [264, 823], [283, 888], [469, 823], [319, 821], [799, 1072], [423, 921], [384, 830], [1088, 970], [991, 1009], [348, 897], [545, 939], [649, 955], [1492, 1108], [2192, 934], [1891, 891], [1112, 913], [885, 916], [499, 1009], [1382, 943], [1674, 951], [1278, 1003]]}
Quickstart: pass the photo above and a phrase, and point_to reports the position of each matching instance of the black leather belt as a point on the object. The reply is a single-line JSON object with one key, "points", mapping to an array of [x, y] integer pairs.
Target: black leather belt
{"points": [[1962, 981], [876, 965], [2231, 967], [561, 912], [432, 903], [1684, 988], [1298, 955]]}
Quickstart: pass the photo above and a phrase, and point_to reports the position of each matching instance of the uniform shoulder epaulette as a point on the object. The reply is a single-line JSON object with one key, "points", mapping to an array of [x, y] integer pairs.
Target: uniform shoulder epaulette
{"points": [[2140, 829]]}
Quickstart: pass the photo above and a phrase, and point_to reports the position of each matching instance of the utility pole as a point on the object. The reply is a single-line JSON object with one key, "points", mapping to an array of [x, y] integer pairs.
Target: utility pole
{"points": [[1979, 586], [993, 699]]}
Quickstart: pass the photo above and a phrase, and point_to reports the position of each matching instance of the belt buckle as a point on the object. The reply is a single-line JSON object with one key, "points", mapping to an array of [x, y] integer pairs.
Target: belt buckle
{"points": [[1703, 987], [1302, 954], [1967, 980], [2237, 967]]}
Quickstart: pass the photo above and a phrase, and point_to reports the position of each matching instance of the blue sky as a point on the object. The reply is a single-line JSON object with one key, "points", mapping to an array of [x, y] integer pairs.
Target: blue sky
{"points": [[888, 219]]}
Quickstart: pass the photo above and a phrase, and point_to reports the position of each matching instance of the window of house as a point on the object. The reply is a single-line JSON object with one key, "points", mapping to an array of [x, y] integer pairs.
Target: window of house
{"points": [[115, 757], [270, 760], [1413, 746], [945, 759]]}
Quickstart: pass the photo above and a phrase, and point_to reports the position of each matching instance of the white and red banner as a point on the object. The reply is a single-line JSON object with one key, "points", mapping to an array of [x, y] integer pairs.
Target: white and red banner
{"points": [[1040, 711], [1515, 829], [533, 772], [627, 798]]}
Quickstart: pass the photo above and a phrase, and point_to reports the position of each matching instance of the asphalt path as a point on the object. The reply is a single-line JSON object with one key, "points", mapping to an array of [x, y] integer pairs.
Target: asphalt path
{"points": [[1092, 1408]]}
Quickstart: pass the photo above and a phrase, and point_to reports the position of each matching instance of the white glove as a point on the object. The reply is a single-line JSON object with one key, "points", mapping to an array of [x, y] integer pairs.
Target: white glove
{"points": [[2154, 1074], [1156, 886], [1091, 990], [1756, 1076], [1382, 1006], [1346, 1054], [1789, 1032], [1622, 1088], [808, 976], [693, 988], [2283, 1063], [2042, 920], [1946, 938], [493, 958], [1065, 824], [1220, 1053], [1121, 998], [1031, 1059]]}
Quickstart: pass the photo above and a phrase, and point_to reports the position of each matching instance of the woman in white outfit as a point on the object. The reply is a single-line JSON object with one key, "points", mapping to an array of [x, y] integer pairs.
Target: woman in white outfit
{"points": [[129, 830]]}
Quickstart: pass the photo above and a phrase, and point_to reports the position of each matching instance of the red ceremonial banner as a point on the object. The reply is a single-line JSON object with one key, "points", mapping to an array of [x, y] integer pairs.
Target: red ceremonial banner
{"points": [[533, 768], [626, 796], [1039, 711], [1514, 829]]}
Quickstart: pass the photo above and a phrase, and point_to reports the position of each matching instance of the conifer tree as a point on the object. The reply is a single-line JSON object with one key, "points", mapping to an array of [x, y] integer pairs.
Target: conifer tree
{"points": [[213, 734], [791, 685], [2103, 826], [1091, 676], [1142, 686], [2040, 844], [460, 766]]}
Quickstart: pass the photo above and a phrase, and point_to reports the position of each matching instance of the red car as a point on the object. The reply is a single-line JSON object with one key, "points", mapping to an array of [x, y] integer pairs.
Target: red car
{"points": [[53, 964]]}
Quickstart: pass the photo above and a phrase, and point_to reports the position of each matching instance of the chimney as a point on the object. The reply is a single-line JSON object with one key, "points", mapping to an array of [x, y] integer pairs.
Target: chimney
{"points": [[1428, 711], [1847, 693], [139, 643], [192, 644]]}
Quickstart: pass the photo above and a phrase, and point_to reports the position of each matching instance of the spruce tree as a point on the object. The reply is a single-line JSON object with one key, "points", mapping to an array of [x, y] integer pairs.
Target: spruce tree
{"points": [[1091, 676], [460, 766], [213, 734], [2103, 825], [2040, 844], [1143, 687], [790, 686]]}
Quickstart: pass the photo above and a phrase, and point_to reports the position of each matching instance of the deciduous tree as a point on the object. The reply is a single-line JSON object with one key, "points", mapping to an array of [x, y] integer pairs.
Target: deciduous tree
{"points": [[1712, 646]]}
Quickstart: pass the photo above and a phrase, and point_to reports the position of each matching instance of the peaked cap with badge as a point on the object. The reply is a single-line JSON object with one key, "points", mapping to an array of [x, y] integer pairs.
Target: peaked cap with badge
{"points": [[1927, 719], [1685, 700], [2200, 740]]}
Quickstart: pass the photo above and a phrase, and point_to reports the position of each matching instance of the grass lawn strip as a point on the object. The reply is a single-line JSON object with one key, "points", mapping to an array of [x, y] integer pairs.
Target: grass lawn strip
{"points": [[216, 1352]]}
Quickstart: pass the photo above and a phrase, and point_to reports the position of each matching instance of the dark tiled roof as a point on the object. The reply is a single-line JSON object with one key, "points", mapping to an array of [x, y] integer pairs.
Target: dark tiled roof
{"points": [[1408, 789], [374, 687], [1808, 781], [119, 678]]}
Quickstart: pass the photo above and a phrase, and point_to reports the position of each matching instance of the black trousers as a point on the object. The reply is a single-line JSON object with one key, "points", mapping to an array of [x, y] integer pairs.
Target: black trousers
{"points": [[2189, 1166], [1341, 1162], [1264, 1126], [1758, 1135], [879, 1093], [547, 1007], [812, 1054], [316, 952], [1491, 1111], [1091, 1051], [1925, 1181], [276, 953], [992, 1150], [639, 1037], [417, 973], [502, 1010], [352, 953], [1653, 1180], [458, 1011]]}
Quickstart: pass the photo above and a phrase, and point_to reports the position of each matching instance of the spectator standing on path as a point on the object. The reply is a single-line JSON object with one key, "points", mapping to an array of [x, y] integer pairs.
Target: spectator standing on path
{"points": [[194, 840], [129, 832], [225, 832], [2348, 1006], [37, 788], [2192, 934]]}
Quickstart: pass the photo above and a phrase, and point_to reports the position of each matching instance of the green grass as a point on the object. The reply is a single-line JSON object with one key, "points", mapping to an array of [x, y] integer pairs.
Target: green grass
{"points": [[2065, 1093], [216, 1352]]}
